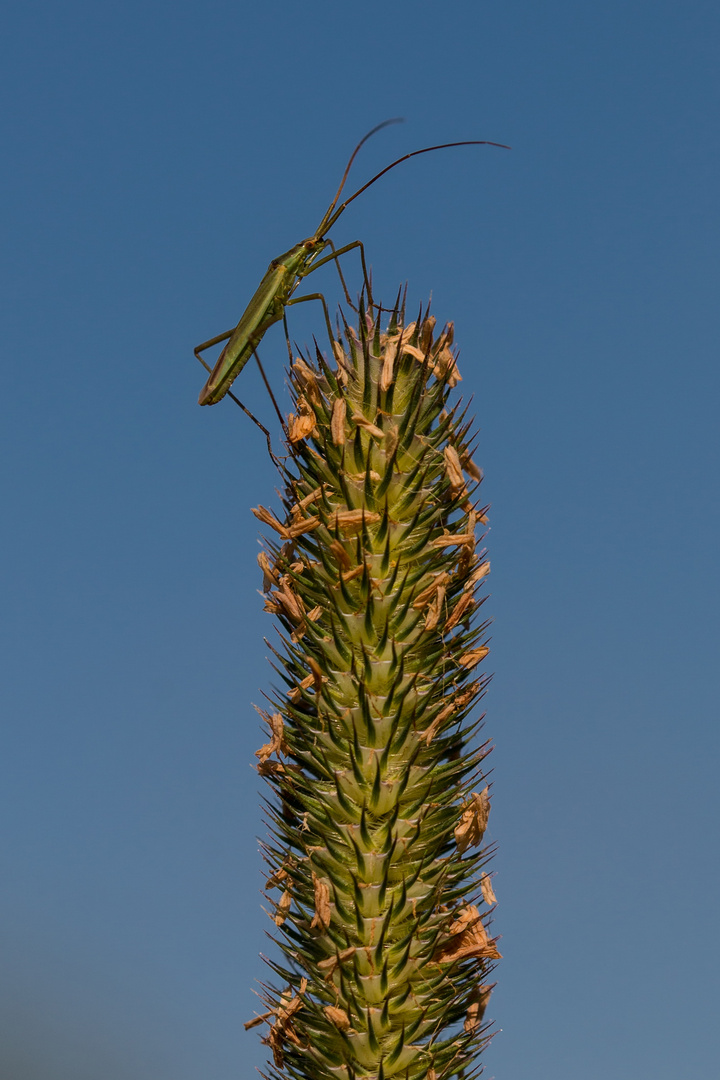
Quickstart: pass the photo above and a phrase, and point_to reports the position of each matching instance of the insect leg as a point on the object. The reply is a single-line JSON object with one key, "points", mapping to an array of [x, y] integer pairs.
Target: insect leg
{"points": [[342, 279], [266, 433], [269, 389], [209, 344], [343, 251], [254, 419], [321, 298], [287, 338]]}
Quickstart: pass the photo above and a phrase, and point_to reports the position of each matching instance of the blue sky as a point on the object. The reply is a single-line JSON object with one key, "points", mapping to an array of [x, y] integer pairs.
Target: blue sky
{"points": [[157, 156]]}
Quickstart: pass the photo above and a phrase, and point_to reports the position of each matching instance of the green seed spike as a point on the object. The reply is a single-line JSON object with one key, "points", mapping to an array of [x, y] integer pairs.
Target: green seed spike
{"points": [[342, 480], [355, 761], [382, 537], [377, 817], [384, 986], [369, 614], [344, 591], [365, 708], [358, 899], [365, 836], [389, 844], [377, 787], [345, 804], [387, 475], [385, 632], [405, 627], [397, 1050], [344, 913]]}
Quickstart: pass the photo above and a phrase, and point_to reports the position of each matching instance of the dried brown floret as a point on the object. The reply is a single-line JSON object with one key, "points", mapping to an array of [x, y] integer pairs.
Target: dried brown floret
{"points": [[268, 518], [302, 525], [295, 694], [466, 601], [351, 521], [282, 1029], [477, 575], [453, 469], [341, 556], [330, 966], [270, 574], [337, 422], [338, 1017], [476, 1009], [487, 890], [470, 467], [467, 937], [430, 590], [283, 906], [366, 425], [317, 676], [308, 380], [321, 919], [473, 821], [386, 373], [277, 744], [474, 656], [304, 424]]}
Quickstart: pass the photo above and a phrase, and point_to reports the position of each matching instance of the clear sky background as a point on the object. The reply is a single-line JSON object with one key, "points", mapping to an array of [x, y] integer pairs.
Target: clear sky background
{"points": [[156, 156]]}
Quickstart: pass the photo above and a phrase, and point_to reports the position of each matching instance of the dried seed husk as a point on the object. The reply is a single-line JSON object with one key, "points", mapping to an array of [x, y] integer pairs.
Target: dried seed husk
{"points": [[487, 889], [473, 821]]}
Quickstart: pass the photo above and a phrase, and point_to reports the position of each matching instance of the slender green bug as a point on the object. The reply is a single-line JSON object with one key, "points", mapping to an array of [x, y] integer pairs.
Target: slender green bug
{"points": [[283, 276]]}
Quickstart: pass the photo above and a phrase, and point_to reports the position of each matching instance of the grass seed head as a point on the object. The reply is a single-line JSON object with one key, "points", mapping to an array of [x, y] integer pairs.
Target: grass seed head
{"points": [[378, 814]]}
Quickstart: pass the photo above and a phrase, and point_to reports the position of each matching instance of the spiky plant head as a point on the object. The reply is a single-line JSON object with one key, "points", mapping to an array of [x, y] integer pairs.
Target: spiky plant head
{"points": [[379, 801]]}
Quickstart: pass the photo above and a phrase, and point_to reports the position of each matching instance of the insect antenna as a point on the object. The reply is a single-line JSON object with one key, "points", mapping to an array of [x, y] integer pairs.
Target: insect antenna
{"points": [[426, 150], [324, 224]]}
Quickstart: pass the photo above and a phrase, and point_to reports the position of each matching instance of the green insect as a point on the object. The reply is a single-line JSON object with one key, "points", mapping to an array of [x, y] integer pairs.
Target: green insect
{"points": [[283, 276]]}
